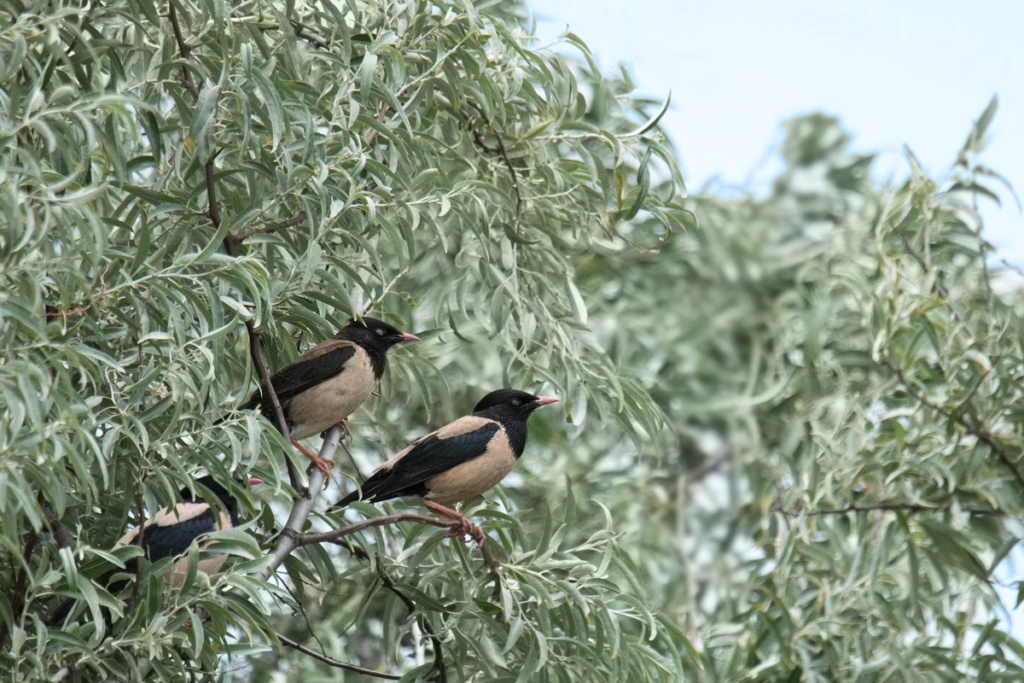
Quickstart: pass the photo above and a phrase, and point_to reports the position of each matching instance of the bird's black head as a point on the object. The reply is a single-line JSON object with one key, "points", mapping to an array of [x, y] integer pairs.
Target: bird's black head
{"points": [[376, 337], [511, 408], [510, 403]]}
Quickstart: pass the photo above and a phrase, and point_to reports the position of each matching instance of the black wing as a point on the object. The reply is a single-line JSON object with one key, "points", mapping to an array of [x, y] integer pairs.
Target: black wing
{"points": [[167, 541], [305, 374], [428, 457]]}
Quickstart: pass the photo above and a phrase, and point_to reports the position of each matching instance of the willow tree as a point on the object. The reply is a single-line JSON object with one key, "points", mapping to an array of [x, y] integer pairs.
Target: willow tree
{"points": [[840, 364], [193, 193]]}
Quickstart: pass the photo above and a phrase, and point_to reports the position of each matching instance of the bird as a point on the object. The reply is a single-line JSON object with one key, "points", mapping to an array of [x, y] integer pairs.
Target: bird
{"points": [[172, 529], [459, 461], [326, 384]]}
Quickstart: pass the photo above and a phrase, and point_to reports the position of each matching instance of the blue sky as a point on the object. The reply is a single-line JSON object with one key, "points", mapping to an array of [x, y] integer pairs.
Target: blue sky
{"points": [[914, 72]]}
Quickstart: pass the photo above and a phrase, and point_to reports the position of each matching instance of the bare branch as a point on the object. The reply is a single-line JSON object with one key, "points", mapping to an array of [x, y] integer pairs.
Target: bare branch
{"points": [[334, 662], [912, 508], [301, 508], [341, 532]]}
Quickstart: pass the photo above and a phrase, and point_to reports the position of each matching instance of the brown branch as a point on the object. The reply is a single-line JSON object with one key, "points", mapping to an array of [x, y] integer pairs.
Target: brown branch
{"points": [[503, 153], [981, 434], [912, 508], [185, 50], [341, 532], [442, 672], [63, 537], [936, 287], [51, 312], [20, 586], [293, 221], [231, 248], [334, 662], [142, 533], [380, 119]]}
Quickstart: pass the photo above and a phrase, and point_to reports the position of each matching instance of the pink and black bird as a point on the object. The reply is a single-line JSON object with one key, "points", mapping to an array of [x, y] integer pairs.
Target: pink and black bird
{"points": [[459, 461], [329, 381], [172, 530]]}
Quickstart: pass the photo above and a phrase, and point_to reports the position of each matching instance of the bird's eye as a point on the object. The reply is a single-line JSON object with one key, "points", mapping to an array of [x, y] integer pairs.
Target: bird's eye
{"points": [[516, 401], [379, 331]]}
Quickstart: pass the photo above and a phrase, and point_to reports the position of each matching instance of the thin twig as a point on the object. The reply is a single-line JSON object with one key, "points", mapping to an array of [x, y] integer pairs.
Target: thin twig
{"points": [[341, 532], [912, 508], [503, 153], [185, 50], [936, 287], [231, 248], [293, 221], [142, 532], [980, 434], [504, 156], [334, 662], [381, 114]]}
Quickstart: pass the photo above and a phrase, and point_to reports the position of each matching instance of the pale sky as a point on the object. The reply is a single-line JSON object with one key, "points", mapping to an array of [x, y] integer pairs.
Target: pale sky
{"points": [[917, 72]]}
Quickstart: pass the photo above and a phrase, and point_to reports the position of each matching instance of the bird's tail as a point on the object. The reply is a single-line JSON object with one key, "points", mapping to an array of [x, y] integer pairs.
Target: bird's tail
{"points": [[350, 498]]}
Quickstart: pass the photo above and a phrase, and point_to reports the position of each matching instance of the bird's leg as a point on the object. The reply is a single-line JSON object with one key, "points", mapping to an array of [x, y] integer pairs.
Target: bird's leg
{"points": [[464, 527], [322, 464], [346, 433]]}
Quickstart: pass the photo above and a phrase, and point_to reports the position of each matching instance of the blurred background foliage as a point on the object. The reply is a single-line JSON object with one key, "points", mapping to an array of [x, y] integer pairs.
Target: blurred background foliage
{"points": [[789, 443]]}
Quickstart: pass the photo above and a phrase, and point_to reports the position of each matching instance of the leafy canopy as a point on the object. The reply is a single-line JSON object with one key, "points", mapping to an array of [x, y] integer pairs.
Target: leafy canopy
{"points": [[791, 442]]}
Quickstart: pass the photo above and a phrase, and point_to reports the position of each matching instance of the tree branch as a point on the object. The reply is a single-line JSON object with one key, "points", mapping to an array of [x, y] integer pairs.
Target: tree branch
{"points": [[20, 586], [334, 662], [185, 50], [912, 508], [301, 508], [294, 220], [341, 532], [503, 153], [231, 248], [980, 434], [936, 287], [64, 538], [439, 667]]}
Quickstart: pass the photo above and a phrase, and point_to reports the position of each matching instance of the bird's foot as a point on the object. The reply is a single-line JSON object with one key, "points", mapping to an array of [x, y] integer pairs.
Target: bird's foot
{"points": [[346, 433], [462, 527], [322, 464]]}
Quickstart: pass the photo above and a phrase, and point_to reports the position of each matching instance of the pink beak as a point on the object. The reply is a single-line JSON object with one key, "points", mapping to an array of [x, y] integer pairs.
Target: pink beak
{"points": [[253, 481], [544, 400], [406, 337]]}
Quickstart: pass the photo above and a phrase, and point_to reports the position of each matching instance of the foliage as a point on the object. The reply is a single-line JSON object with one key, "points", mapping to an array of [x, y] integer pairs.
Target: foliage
{"points": [[790, 438], [414, 159]]}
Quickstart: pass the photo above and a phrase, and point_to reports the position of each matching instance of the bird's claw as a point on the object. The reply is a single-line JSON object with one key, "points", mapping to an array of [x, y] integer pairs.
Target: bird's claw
{"points": [[322, 464], [463, 528]]}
